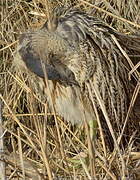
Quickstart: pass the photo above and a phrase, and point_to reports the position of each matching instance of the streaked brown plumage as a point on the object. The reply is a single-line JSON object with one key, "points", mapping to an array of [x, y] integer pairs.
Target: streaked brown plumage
{"points": [[79, 49]]}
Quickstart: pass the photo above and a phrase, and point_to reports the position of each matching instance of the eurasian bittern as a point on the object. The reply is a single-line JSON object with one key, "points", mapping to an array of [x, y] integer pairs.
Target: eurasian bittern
{"points": [[79, 57]]}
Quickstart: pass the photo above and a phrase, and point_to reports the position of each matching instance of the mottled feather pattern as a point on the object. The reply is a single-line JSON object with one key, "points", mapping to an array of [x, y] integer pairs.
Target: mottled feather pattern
{"points": [[79, 49]]}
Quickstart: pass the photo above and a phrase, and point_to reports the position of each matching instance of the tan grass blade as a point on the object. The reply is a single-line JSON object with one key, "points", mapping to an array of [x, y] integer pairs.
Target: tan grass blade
{"points": [[2, 163], [21, 154], [102, 106]]}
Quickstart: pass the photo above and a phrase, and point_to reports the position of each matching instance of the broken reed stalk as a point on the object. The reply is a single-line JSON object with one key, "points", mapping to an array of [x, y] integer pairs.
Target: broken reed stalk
{"points": [[2, 163]]}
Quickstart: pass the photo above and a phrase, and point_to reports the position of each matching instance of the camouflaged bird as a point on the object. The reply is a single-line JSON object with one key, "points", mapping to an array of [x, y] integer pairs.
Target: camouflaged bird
{"points": [[75, 50]]}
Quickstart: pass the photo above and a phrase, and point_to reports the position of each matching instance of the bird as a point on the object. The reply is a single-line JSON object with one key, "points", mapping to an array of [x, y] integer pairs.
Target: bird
{"points": [[77, 54]]}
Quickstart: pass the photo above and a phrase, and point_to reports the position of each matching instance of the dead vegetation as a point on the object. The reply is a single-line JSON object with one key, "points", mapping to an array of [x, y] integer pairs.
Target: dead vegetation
{"points": [[36, 145]]}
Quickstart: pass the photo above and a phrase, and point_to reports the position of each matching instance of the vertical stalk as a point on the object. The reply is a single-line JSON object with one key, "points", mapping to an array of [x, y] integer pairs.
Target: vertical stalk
{"points": [[2, 163]]}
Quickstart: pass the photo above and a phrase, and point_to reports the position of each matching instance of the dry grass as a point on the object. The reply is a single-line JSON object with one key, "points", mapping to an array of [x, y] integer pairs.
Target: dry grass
{"points": [[35, 148]]}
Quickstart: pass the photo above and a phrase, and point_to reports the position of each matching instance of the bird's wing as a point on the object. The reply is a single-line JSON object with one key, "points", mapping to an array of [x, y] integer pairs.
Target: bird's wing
{"points": [[100, 60]]}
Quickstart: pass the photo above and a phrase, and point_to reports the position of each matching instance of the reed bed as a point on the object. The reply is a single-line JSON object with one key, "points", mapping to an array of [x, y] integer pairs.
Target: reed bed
{"points": [[34, 147]]}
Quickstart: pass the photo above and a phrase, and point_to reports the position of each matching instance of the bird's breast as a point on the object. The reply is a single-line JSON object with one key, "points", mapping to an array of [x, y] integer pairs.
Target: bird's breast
{"points": [[68, 103]]}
